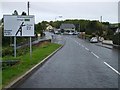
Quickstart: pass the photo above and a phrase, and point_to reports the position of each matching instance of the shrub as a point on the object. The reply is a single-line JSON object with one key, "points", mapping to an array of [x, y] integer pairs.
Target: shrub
{"points": [[116, 39], [7, 51]]}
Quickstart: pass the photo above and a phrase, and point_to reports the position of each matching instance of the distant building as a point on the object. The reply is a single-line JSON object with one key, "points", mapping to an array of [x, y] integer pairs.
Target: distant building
{"points": [[49, 27], [118, 30], [67, 28]]}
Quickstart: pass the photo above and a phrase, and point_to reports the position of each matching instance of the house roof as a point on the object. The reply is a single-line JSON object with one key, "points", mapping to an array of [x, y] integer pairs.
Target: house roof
{"points": [[63, 26]]}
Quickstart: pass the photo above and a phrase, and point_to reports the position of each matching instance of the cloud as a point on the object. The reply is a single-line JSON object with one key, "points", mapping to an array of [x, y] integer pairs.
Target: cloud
{"points": [[77, 10], [60, 0]]}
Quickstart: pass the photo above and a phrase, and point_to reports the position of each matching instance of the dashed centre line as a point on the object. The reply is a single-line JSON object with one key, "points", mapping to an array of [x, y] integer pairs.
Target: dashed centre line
{"points": [[112, 68], [87, 49], [95, 55], [99, 57], [83, 46]]}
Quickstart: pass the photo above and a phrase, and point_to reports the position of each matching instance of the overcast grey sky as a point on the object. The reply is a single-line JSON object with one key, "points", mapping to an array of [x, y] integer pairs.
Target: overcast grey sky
{"points": [[72, 9]]}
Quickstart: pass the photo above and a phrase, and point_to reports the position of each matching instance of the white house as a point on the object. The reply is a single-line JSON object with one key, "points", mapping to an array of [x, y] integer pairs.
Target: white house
{"points": [[67, 27], [49, 27]]}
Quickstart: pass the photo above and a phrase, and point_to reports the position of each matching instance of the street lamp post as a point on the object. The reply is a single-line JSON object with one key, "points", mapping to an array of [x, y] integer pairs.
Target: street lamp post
{"points": [[101, 28], [60, 16], [101, 19]]}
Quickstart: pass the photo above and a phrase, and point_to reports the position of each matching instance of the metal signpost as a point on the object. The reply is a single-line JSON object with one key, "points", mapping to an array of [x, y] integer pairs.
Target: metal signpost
{"points": [[15, 46], [30, 48], [19, 26]]}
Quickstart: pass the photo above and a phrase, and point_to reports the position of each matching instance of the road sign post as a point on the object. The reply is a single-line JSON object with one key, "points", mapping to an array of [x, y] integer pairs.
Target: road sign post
{"points": [[30, 47], [19, 26]]}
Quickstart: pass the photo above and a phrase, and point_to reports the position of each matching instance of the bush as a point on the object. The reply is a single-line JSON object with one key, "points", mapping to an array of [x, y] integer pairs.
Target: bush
{"points": [[22, 51], [116, 39], [108, 37], [7, 51], [88, 36]]}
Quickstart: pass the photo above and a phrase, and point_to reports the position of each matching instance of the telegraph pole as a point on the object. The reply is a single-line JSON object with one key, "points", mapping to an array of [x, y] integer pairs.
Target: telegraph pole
{"points": [[101, 19], [79, 27], [28, 6], [101, 25]]}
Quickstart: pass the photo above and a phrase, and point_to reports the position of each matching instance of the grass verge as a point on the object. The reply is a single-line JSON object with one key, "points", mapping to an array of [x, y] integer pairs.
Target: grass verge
{"points": [[39, 53]]}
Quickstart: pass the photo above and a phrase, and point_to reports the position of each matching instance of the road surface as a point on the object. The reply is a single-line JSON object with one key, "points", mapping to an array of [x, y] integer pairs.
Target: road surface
{"points": [[79, 64]]}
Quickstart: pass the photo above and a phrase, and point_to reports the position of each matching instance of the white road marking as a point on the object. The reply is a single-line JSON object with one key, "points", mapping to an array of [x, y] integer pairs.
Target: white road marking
{"points": [[112, 68], [99, 57], [95, 55], [83, 46], [76, 41], [87, 49]]}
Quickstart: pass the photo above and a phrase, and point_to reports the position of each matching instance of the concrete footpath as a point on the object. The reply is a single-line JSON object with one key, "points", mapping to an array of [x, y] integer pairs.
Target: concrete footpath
{"points": [[104, 45], [109, 43]]}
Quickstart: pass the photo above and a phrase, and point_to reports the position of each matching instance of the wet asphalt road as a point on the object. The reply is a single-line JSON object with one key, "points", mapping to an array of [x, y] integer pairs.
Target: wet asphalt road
{"points": [[79, 64]]}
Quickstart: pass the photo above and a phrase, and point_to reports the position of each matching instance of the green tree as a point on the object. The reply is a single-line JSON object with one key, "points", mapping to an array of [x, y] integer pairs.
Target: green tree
{"points": [[2, 20], [15, 12], [44, 25], [38, 28], [116, 39], [24, 13]]}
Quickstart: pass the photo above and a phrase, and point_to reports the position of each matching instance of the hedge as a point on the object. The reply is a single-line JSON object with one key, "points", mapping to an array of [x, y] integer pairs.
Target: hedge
{"points": [[116, 39]]}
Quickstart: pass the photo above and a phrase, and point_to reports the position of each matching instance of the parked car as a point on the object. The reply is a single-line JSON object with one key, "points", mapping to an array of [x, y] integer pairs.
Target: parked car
{"points": [[70, 33], [75, 33], [56, 32], [94, 40]]}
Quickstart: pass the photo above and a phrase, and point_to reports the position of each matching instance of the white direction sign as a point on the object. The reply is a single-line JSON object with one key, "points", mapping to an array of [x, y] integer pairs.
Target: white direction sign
{"points": [[19, 25]]}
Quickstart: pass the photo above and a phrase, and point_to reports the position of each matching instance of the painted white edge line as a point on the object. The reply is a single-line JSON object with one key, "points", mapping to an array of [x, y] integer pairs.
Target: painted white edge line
{"points": [[95, 55], [112, 68]]}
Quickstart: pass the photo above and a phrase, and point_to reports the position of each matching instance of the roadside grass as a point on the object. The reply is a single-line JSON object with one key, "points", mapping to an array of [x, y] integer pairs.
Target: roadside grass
{"points": [[39, 53], [0, 79], [88, 36]]}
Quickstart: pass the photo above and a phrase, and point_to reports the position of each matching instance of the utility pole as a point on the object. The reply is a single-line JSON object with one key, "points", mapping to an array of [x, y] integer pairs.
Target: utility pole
{"points": [[79, 27], [28, 6], [101, 19], [101, 25]]}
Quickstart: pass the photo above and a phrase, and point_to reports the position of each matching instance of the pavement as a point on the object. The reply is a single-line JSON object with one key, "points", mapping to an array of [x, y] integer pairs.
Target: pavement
{"points": [[105, 45], [79, 64], [109, 42]]}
